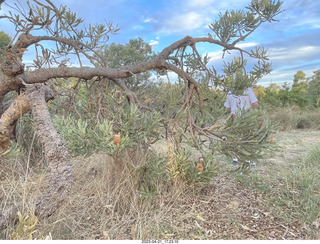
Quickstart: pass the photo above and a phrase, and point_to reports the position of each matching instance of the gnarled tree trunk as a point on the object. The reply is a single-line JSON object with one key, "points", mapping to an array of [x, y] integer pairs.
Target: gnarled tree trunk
{"points": [[13, 111], [55, 152]]}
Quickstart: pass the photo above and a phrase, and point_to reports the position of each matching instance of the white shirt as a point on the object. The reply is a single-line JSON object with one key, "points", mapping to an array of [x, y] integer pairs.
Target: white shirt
{"points": [[242, 102]]}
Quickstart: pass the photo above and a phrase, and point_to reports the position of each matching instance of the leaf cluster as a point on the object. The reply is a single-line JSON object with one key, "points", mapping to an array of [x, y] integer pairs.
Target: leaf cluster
{"points": [[234, 26], [62, 26], [247, 136], [85, 136]]}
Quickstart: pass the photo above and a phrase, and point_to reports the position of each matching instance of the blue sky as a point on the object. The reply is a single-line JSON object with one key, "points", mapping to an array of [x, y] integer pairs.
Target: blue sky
{"points": [[293, 43]]}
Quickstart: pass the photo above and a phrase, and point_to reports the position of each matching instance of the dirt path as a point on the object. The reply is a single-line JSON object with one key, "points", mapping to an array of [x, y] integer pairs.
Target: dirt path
{"points": [[226, 209]]}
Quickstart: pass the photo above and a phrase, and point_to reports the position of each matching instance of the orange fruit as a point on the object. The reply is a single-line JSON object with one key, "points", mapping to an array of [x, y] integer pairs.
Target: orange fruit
{"points": [[116, 139], [199, 168], [271, 139]]}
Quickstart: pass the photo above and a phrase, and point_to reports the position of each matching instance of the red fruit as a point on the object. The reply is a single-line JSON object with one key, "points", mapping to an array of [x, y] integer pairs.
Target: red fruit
{"points": [[260, 124], [199, 168], [90, 105], [118, 94]]}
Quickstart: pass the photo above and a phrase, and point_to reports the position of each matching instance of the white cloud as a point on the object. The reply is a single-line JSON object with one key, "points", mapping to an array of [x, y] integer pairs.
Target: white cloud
{"points": [[291, 55], [153, 43], [199, 3], [247, 45], [286, 61], [185, 21], [147, 20], [217, 4], [215, 56], [281, 76]]}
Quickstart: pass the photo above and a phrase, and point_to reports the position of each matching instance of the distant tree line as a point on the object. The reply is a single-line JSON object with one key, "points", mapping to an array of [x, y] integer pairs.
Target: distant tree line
{"points": [[304, 92]]}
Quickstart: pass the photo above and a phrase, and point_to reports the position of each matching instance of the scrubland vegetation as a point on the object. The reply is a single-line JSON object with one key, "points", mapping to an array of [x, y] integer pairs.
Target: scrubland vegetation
{"points": [[130, 191], [117, 150]]}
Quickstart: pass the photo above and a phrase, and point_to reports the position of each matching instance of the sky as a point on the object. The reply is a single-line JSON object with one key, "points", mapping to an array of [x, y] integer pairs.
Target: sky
{"points": [[293, 42]]}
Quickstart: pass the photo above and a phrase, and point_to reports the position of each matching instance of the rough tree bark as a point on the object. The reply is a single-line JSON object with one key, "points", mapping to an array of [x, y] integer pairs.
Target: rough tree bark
{"points": [[55, 152], [13, 111]]}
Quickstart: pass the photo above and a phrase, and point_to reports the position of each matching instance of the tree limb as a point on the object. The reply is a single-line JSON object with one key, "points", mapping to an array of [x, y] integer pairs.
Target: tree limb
{"points": [[55, 151], [19, 106]]}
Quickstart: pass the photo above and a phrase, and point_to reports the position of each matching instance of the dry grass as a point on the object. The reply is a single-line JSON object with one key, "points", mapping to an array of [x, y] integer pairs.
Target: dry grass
{"points": [[291, 118], [106, 202]]}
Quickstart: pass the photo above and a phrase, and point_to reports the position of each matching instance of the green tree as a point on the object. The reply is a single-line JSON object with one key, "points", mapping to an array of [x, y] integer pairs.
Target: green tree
{"points": [[4, 41], [134, 52], [298, 77], [314, 88]]}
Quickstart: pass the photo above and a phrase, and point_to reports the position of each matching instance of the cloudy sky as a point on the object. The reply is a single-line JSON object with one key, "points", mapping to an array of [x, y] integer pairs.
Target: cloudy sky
{"points": [[293, 43]]}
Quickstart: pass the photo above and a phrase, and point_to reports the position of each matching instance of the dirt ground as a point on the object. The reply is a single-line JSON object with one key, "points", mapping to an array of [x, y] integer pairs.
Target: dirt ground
{"points": [[226, 209]]}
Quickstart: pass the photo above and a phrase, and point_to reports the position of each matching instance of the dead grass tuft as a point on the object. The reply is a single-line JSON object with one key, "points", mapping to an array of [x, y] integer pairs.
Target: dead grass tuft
{"points": [[105, 202]]}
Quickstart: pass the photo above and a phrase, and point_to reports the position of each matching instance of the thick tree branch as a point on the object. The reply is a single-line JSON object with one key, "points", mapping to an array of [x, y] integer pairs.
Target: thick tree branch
{"points": [[87, 73], [55, 152], [19, 106]]}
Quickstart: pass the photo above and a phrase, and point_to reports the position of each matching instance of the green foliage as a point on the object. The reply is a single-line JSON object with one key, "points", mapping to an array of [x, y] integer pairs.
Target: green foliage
{"points": [[237, 24], [298, 77], [298, 194], [314, 88], [237, 80], [246, 137], [176, 168], [178, 163], [12, 152], [86, 136], [134, 52], [213, 108], [210, 169], [84, 139], [152, 175], [304, 93], [182, 167], [265, 9], [286, 96], [27, 138], [232, 28], [4, 39]]}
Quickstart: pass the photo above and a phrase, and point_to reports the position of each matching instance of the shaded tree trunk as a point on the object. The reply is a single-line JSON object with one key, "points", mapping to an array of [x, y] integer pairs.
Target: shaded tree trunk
{"points": [[9, 118], [13, 111], [55, 151]]}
